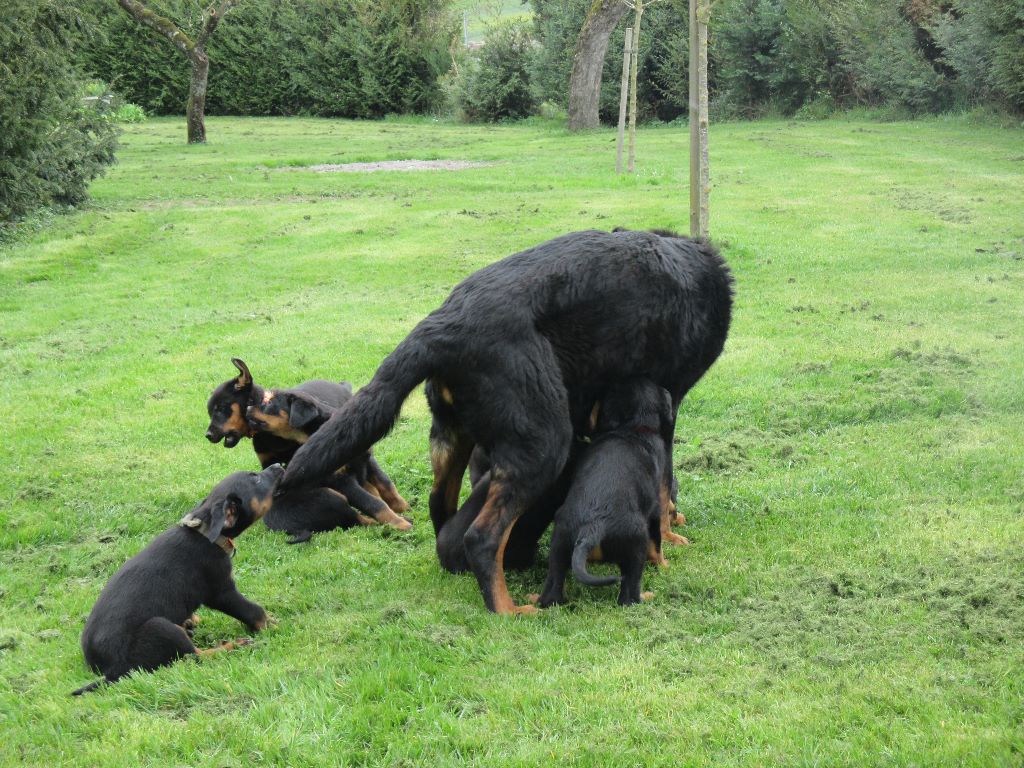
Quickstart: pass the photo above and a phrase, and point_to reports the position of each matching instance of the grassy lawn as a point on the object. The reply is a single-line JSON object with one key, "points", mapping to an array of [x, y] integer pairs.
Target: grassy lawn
{"points": [[852, 468], [481, 14]]}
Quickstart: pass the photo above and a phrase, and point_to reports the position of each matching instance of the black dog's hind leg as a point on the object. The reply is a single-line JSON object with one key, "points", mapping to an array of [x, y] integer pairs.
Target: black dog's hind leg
{"points": [[632, 567], [451, 551], [449, 455], [531, 436], [298, 537], [158, 642], [558, 566], [349, 487]]}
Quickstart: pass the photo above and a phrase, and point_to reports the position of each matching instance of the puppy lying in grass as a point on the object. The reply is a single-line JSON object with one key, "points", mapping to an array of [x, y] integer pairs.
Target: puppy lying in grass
{"points": [[295, 415], [307, 511], [613, 501], [143, 617]]}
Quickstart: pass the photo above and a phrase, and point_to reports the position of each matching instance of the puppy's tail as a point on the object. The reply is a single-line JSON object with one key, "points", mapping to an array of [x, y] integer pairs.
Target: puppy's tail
{"points": [[90, 687], [367, 417], [584, 545]]}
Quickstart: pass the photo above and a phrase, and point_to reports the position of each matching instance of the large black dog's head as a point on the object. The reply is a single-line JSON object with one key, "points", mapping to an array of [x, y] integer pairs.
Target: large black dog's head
{"points": [[235, 503], [287, 414], [226, 407], [636, 403]]}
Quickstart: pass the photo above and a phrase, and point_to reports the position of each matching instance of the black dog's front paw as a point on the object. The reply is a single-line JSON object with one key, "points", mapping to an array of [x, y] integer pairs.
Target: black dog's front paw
{"points": [[546, 600], [262, 623]]}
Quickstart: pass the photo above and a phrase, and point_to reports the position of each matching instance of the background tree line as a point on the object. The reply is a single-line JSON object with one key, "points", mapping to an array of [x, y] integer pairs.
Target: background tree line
{"points": [[356, 58], [787, 56]]}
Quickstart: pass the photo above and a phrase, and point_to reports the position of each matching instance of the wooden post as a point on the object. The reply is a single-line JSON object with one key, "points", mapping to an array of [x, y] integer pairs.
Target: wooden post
{"points": [[632, 85], [623, 93], [700, 184]]}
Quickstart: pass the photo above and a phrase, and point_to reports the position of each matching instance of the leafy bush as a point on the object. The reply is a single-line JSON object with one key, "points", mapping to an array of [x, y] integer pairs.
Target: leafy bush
{"points": [[983, 42], [128, 113], [747, 52], [885, 66], [494, 83], [53, 141]]}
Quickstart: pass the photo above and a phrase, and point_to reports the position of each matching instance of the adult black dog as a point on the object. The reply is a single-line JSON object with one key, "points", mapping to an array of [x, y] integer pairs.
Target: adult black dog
{"points": [[517, 356]]}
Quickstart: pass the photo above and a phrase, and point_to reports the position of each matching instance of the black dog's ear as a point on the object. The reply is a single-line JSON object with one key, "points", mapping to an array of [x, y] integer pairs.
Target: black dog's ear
{"points": [[301, 413], [216, 521], [223, 514], [244, 377]]}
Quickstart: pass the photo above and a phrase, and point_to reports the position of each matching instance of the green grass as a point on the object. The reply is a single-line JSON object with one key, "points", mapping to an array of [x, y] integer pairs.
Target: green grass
{"points": [[482, 14], [852, 468]]}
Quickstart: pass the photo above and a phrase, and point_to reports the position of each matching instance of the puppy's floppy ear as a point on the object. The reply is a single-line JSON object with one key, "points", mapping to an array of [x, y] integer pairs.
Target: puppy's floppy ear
{"points": [[301, 412], [221, 514], [244, 377]]}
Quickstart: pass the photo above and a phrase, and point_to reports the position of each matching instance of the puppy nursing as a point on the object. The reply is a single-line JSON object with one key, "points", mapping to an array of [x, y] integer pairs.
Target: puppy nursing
{"points": [[613, 503]]}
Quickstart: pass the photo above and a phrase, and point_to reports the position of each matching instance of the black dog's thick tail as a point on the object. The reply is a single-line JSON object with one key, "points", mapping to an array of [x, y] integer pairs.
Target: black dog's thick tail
{"points": [[364, 419], [579, 565], [90, 687]]}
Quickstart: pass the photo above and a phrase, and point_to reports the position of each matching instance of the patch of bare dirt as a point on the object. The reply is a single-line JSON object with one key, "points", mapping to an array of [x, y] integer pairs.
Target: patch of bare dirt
{"points": [[393, 165]]}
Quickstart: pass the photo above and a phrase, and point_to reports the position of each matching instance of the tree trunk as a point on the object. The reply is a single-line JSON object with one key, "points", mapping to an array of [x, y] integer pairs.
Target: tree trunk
{"points": [[633, 62], [623, 96], [700, 174], [588, 63], [193, 50], [196, 109]]}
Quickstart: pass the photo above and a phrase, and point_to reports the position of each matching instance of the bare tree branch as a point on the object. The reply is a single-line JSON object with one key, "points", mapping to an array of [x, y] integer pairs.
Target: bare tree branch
{"points": [[213, 17], [159, 24]]}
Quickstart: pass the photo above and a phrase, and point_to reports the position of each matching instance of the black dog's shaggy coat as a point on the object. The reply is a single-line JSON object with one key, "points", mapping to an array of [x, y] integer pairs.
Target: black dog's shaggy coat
{"points": [[139, 620], [613, 502], [516, 357]]}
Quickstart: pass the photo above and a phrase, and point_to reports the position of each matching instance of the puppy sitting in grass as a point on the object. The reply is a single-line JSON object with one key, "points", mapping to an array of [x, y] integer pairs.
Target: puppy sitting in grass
{"points": [[613, 502], [144, 615]]}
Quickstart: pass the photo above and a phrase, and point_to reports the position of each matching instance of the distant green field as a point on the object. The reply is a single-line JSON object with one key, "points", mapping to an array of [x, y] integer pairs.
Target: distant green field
{"points": [[852, 468], [479, 14]]}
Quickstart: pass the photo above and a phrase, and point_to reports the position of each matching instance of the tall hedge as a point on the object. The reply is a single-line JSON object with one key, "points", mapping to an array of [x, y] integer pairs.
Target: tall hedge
{"points": [[348, 58], [52, 143]]}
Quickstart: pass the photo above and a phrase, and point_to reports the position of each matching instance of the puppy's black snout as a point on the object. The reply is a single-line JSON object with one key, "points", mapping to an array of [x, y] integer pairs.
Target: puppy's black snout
{"points": [[212, 436]]}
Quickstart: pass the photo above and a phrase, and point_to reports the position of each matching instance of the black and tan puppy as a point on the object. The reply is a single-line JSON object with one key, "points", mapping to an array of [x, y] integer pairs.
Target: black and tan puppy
{"points": [[140, 618], [227, 408], [304, 512], [613, 502], [291, 414]]}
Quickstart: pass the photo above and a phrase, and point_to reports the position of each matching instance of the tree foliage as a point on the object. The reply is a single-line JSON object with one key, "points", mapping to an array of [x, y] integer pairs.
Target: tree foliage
{"points": [[351, 58], [53, 142], [917, 56], [493, 83]]}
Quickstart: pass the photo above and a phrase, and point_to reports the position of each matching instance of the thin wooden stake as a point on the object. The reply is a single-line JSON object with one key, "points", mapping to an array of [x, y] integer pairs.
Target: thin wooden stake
{"points": [[632, 86], [700, 184], [623, 93]]}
